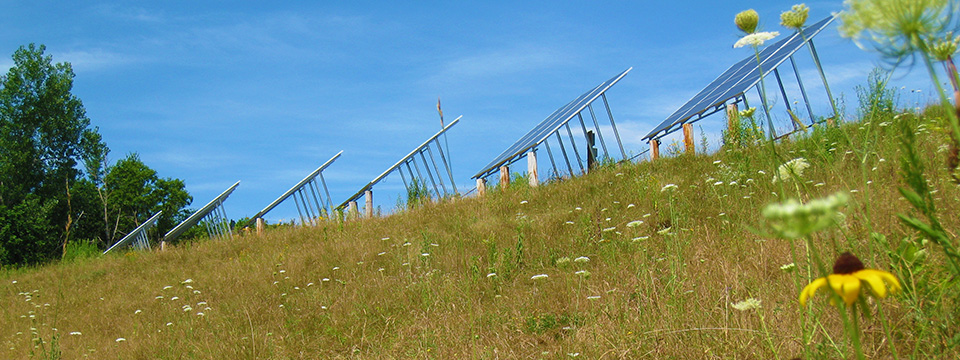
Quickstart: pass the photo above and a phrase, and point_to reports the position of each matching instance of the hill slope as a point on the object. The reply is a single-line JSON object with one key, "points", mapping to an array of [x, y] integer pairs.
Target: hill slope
{"points": [[615, 264]]}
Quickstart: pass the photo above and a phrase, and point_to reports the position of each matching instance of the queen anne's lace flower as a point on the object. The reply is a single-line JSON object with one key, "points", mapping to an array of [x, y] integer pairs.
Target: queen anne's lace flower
{"points": [[756, 39]]}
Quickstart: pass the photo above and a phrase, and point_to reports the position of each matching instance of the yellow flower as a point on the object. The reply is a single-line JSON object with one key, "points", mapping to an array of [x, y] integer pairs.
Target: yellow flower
{"points": [[847, 278]]}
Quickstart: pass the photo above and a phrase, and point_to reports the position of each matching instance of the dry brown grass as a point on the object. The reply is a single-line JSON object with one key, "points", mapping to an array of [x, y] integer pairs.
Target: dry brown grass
{"points": [[365, 289]]}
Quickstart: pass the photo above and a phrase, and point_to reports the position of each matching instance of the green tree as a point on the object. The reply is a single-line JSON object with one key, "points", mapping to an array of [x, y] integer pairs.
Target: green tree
{"points": [[135, 193], [44, 134]]}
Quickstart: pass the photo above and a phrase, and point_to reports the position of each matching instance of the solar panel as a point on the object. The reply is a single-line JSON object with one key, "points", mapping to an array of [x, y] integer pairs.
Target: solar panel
{"points": [[550, 125], [299, 186], [425, 147], [195, 218], [738, 79], [139, 235]]}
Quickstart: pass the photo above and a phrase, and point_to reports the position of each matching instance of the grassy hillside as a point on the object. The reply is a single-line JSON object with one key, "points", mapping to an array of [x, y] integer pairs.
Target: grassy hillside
{"points": [[615, 264]]}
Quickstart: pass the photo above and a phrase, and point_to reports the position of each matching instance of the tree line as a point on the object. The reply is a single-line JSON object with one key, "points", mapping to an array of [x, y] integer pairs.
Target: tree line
{"points": [[57, 186]]}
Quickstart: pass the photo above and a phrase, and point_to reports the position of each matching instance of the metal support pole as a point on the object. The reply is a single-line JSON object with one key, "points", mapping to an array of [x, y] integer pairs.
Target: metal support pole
{"points": [[437, 169], [591, 151], [326, 191], [426, 169], [553, 164], [564, 151], [766, 111], [599, 134], [803, 92], [575, 151], [306, 206], [614, 125], [783, 92], [816, 61], [404, 178], [316, 199], [302, 220], [447, 166]]}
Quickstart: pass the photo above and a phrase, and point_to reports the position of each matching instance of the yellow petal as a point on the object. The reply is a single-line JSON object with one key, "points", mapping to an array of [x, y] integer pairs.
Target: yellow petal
{"points": [[845, 285], [811, 289], [876, 279]]}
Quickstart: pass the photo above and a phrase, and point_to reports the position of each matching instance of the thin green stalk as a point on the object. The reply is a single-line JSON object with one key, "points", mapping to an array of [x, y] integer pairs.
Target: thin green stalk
{"points": [[886, 332]]}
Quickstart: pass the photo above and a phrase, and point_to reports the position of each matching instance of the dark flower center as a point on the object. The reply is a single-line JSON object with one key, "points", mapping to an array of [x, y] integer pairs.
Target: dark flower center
{"points": [[847, 263]]}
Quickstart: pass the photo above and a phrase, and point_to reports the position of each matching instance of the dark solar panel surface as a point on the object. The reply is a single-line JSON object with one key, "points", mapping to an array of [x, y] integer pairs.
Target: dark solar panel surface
{"points": [[738, 78], [551, 124]]}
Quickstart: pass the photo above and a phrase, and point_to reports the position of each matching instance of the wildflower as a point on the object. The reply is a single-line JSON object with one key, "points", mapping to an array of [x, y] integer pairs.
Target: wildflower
{"points": [[609, 229], [795, 18], [792, 220], [756, 39], [630, 206], [425, 254], [121, 340], [523, 202], [594, 297], [490, 275], [200, 314], [896, 27], [583, 273], [168, 287], [187, 281], [943, 49], [791, 168], [635, 223], [748, 304], [788, 267], [668, 187], [563, 261], [582, 259], [641, 238], [747, 21], [848, 275], [539, 276], [748, 112], [75, 333], [569, 223], [137, 312]]}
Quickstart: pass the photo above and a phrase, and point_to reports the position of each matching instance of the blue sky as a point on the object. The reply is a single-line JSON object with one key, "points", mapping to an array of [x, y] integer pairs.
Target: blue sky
{"points": [[215, 92]]}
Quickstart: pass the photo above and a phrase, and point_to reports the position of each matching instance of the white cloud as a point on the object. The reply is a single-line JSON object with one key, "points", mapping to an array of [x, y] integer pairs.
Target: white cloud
{"points": [[129, 13], [500, 62], [93, 59]]}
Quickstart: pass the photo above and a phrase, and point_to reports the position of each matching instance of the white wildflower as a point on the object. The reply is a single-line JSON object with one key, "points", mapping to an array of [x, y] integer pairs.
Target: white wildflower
{"points": [[756, 39]]}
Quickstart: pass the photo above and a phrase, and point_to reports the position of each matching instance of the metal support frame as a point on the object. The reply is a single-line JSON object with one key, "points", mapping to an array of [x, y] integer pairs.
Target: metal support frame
{"points": [[411, 158], [707, 100], [210, 215], [310, 212], [139, 235]]}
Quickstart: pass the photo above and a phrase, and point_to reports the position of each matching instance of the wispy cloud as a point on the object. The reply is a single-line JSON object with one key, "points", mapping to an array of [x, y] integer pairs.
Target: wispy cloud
{"points": [[500, 62], [132, 13], [94, 59]]}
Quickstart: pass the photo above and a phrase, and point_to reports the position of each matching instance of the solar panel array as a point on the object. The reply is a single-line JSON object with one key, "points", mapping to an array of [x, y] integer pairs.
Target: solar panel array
{"points": [[425, 147], [197, 216], [308, 183], [737, 80], [548, 126], [139, 235]]}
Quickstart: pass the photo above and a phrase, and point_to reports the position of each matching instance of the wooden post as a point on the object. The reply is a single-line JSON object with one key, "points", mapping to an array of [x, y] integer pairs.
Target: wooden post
{"points": [[654, 149], [369, 205], [481, 187], [688, 138], [733, 114], [352, 211], [532, 168], [163, 245], [504, 177], [260, 226]]}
